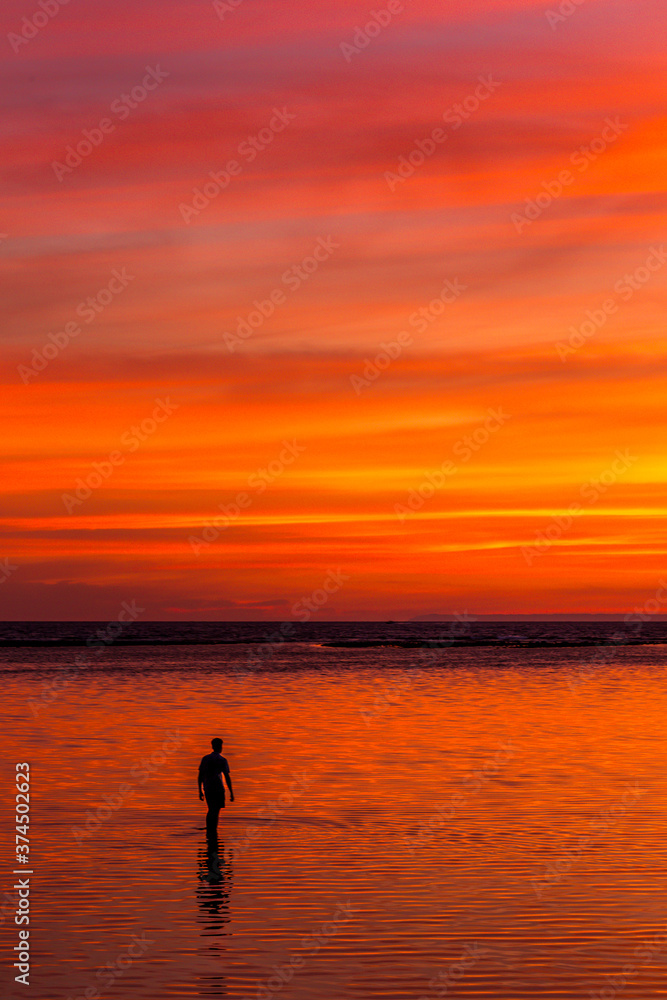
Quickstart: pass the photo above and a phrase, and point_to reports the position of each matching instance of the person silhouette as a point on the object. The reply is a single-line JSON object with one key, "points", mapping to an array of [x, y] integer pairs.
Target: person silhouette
{"points": [[209, 781]]}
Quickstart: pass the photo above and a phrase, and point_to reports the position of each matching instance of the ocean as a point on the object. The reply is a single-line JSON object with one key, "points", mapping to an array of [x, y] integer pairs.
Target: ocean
{"points": [[469, 809], [464, 630]]}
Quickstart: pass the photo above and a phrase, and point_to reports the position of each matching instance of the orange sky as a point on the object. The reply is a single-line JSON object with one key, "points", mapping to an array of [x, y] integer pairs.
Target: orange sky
{"points": [[133, 327]]}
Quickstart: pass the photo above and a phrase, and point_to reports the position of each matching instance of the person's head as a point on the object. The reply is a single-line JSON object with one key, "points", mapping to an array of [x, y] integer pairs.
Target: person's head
{"points": [[216, 743]]}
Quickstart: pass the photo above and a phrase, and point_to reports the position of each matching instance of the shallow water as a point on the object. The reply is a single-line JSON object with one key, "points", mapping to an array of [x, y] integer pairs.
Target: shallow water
{"points": [[380, 865]]}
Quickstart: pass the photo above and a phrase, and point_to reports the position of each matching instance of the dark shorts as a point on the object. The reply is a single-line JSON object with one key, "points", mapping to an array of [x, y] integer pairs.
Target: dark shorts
{"points": [[215, 798]]}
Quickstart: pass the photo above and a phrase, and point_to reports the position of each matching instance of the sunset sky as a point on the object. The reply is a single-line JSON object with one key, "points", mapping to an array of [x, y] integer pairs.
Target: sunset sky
{"points": [[530, 200]]}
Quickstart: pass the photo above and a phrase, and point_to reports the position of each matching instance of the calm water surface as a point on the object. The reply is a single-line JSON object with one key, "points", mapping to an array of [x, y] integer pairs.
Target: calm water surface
{"points": [[474, 829]]}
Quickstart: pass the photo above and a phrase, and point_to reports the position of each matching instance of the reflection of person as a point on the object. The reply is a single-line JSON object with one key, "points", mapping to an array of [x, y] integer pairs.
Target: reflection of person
{"points": [[215, 879], [211, 770]]}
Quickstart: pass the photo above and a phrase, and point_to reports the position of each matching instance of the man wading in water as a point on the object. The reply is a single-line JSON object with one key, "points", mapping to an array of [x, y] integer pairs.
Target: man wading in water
{"points": [[211, 770]]}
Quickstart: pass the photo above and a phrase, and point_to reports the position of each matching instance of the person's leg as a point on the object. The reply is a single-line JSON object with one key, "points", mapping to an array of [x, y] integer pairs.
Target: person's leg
{"points": [[212, 820], [215, 804]]}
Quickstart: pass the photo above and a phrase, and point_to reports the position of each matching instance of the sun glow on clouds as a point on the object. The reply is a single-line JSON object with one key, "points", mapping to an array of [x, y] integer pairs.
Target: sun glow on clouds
{"points": [[147, 486]]}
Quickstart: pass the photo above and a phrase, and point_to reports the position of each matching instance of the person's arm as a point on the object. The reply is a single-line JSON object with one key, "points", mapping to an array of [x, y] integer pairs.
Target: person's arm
{"points": [[199, 783], [228, 779]]}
